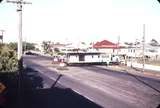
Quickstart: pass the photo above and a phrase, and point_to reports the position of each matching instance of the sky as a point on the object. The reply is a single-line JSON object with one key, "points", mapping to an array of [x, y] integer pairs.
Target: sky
{"points": [[82, 20]]}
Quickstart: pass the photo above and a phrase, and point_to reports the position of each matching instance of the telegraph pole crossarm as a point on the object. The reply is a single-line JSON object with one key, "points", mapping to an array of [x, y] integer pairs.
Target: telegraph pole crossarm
{"points": [[18, 2]]}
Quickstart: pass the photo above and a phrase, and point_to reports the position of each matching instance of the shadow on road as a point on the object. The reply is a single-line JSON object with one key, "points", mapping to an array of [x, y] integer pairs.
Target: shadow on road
{"points": [[34, 95], [123, 75], [149, 82]]}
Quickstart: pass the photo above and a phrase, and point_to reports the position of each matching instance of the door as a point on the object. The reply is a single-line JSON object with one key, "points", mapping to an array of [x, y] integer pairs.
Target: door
{"points": [[81, 57]]}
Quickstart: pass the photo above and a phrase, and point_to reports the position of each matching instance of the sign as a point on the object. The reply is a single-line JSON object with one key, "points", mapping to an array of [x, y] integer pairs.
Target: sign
{"points": [[2, 87]]}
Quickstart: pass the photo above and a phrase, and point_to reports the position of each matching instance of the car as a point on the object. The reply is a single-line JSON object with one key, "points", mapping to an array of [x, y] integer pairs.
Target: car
{"points": [[30, 53]]}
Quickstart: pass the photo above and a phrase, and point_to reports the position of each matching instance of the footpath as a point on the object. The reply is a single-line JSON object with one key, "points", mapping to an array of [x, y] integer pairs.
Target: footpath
{"points": [[146, 66], [137, 69]]}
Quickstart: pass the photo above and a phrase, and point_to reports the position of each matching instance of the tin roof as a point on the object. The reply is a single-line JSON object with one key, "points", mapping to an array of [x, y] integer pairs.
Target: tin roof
{"points": [[105, 44]]}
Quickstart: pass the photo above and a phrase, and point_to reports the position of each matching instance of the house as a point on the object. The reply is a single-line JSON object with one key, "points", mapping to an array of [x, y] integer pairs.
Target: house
{"points": [[136, 51], [106, 46], [57, 46]]}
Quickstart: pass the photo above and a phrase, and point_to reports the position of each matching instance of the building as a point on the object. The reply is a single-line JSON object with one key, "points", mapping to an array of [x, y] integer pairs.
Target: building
{"points": [[106, 46], [130, 50]]}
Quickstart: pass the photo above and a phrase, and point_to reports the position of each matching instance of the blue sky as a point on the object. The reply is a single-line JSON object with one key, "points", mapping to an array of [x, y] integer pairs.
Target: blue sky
{"points": [[82, 20]]}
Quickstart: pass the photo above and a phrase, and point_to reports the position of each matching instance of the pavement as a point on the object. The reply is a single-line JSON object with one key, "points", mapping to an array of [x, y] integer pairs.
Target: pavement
{"points": [[146, 66], [103, 85], [134, 71]]}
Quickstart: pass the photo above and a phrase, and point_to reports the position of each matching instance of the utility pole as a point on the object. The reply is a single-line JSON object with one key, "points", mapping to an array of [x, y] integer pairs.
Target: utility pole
{"points": [[19, 10], [143, 46], [1, 36], [25, 44], [118, 41], [19, 4], [136, 50], [132, 56]]}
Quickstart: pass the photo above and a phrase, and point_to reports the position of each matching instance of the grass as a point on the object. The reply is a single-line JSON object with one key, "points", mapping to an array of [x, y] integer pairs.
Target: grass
{"points": [[153, 62]]}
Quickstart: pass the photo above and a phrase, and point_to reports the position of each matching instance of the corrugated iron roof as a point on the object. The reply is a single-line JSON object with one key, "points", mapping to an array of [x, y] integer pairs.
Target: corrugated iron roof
{"points": [[105, 44]]}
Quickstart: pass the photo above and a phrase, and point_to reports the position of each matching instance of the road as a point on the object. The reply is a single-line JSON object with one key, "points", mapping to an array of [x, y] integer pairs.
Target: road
{"points": [[107, 88]]}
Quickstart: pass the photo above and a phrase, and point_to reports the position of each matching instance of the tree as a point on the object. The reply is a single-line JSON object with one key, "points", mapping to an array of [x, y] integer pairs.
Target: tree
{"points": [[47, 46], [128, 43], [154, 42], [13, 46], [28, 46], [56, 50]]}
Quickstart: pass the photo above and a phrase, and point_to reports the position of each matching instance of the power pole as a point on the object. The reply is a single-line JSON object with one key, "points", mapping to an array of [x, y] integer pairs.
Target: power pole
{"points": [[25, 44], [1, 36], [19, 10], [132, 56], [143, 46], [118, 41], [19, 4], [136, 50]]}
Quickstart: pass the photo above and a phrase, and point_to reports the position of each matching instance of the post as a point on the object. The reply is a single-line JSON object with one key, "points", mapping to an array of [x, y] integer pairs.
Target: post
{"points": [[20, 59], [19, 5], [143, 46], [132, 57], [118, 45], [136, 50]]}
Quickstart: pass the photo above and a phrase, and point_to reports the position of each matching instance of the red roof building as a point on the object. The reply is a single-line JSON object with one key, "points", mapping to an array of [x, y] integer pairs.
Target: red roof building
{"points": [[105, 44]]}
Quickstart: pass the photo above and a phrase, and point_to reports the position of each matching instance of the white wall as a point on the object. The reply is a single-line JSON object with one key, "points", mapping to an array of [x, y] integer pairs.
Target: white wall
{"points": [[73, 59], [88, 58], [109, 51]]}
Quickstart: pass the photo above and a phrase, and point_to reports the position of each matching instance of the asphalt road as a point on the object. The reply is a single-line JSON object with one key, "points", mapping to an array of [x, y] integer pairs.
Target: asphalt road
{"points": [[109, 89]]}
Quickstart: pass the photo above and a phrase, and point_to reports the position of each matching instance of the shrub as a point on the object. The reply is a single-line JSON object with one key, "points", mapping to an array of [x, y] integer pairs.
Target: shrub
{"points": [[8, 59]]}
